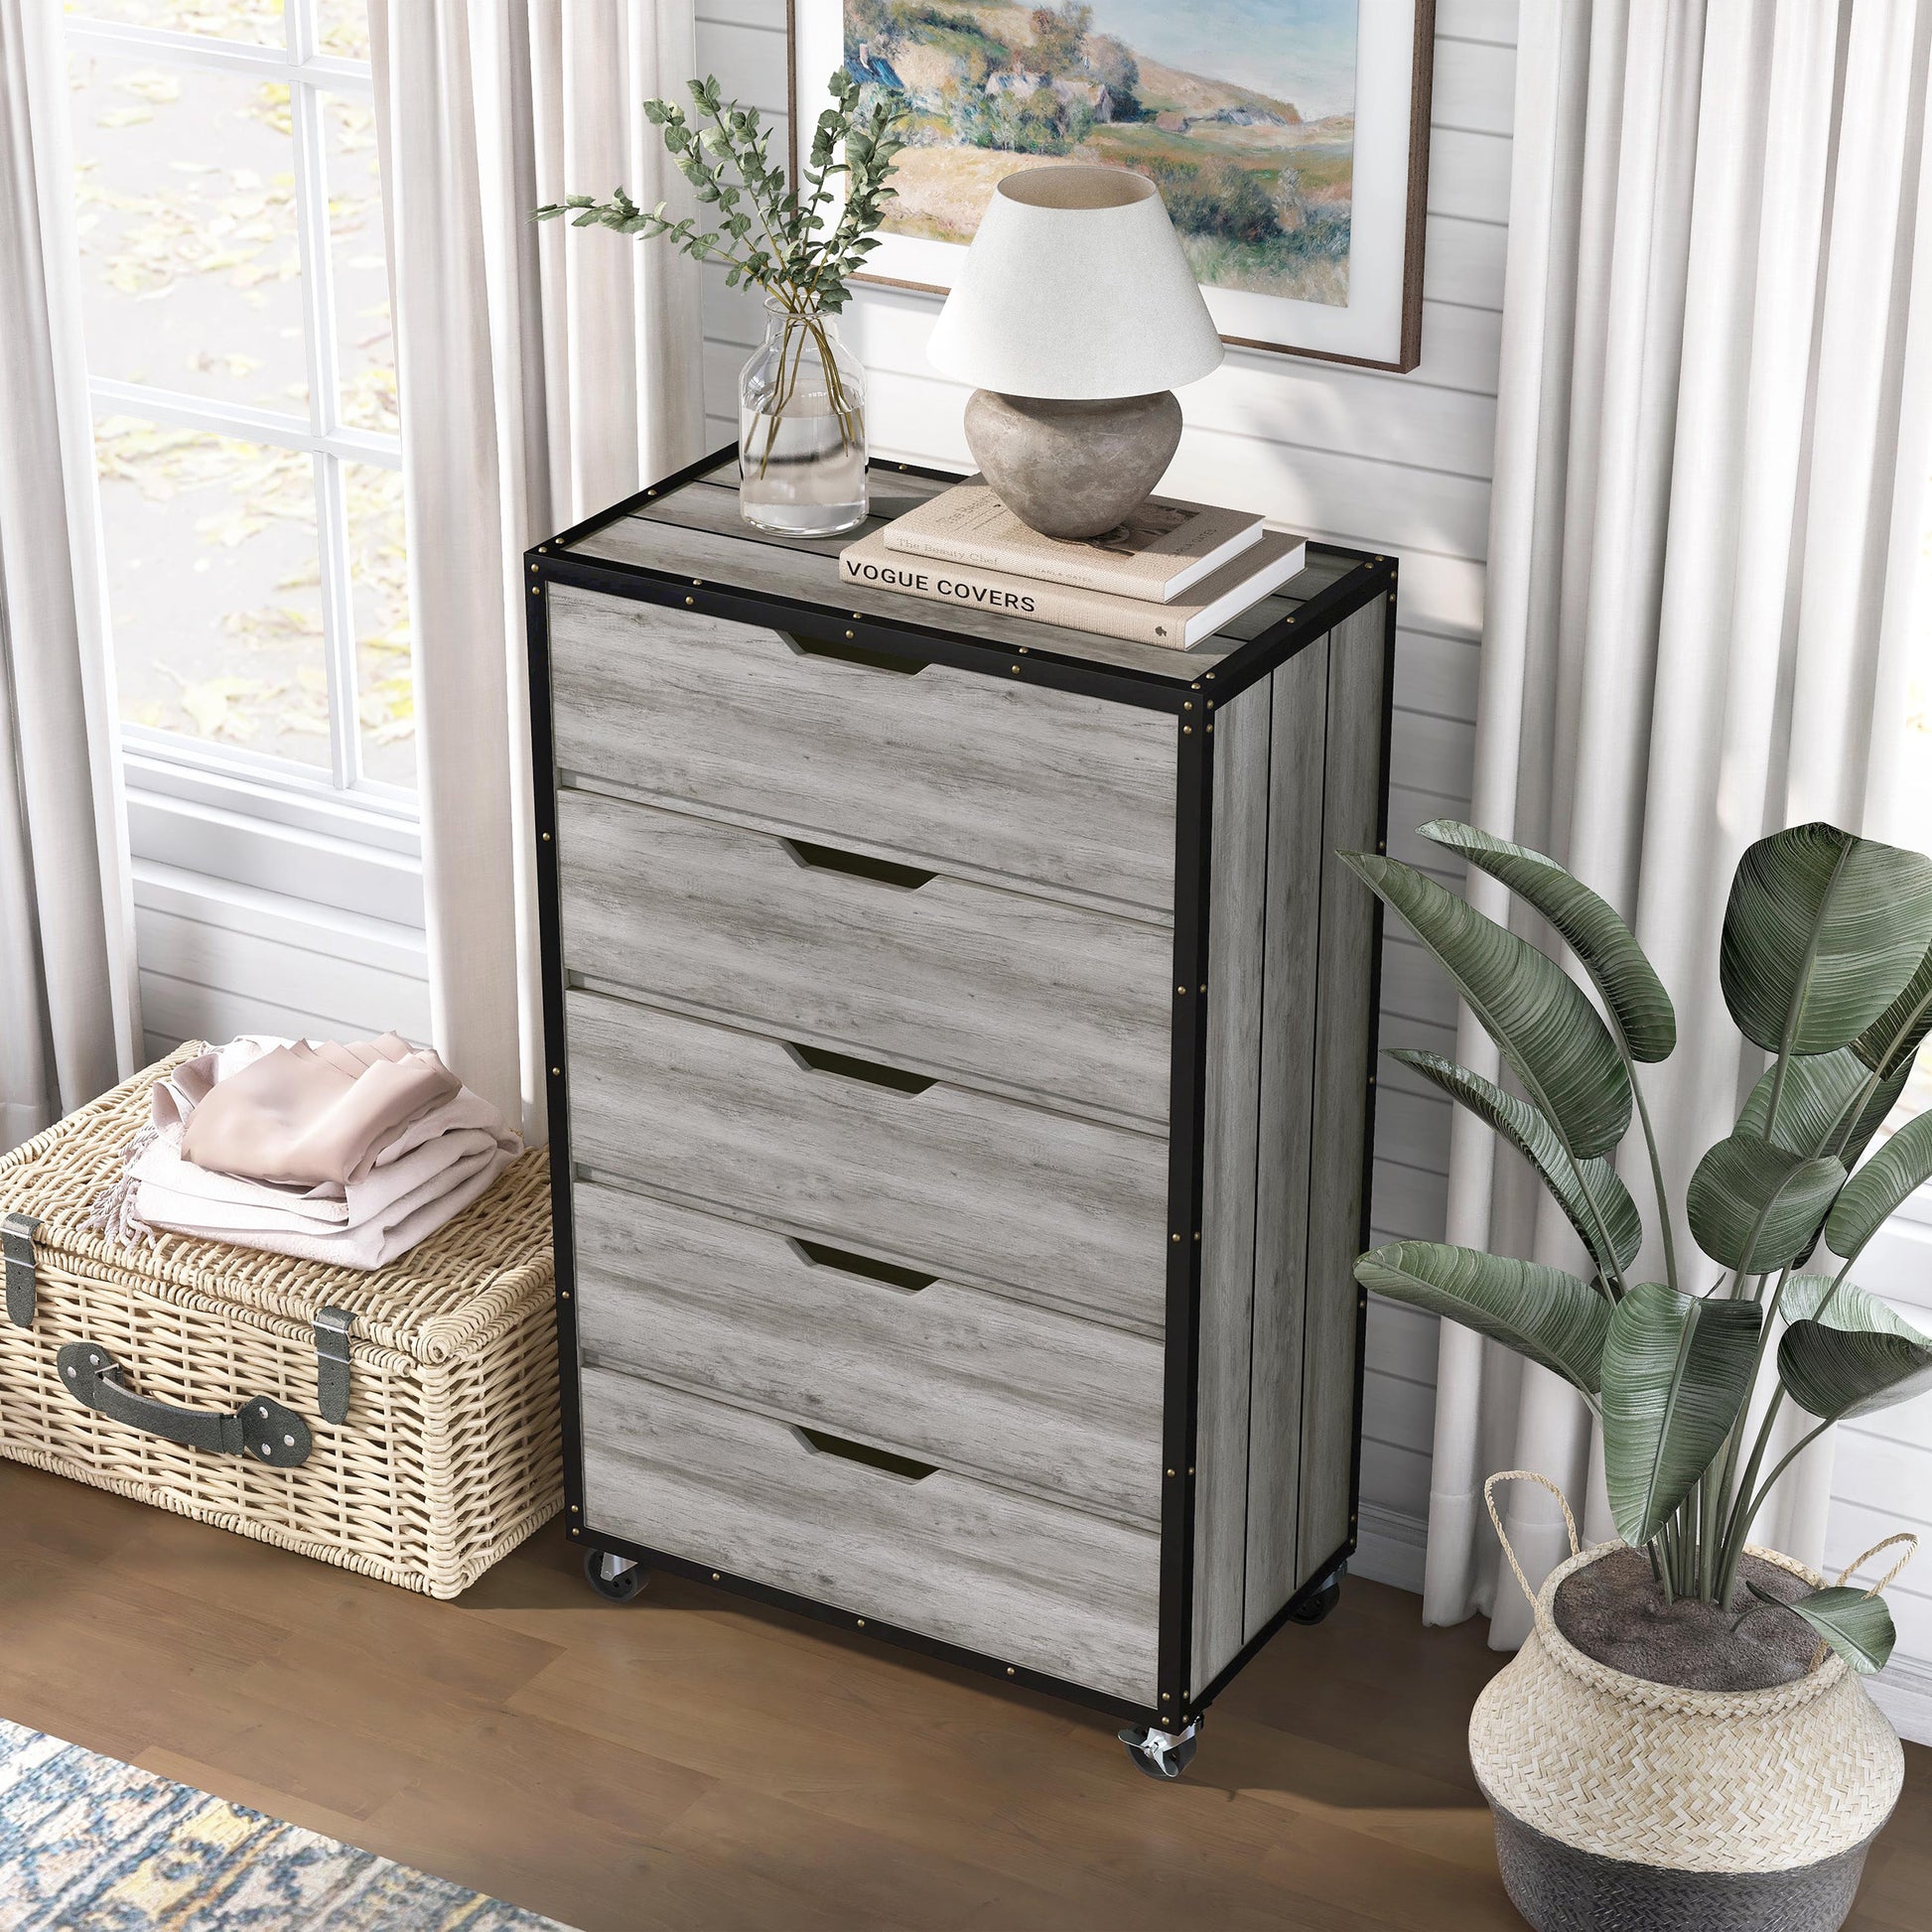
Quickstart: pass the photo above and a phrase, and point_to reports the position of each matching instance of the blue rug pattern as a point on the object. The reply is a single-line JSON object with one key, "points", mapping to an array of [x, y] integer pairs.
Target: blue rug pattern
{"points": [[91, 1845]]}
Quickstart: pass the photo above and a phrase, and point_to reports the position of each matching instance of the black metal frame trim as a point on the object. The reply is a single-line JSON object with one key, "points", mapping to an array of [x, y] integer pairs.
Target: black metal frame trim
{"points": [[1193, 843], [1151, 690]]}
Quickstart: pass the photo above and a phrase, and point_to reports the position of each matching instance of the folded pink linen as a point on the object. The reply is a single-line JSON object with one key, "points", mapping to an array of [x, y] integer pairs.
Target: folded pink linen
{"points": [[313, 1111], [392, 1163]]}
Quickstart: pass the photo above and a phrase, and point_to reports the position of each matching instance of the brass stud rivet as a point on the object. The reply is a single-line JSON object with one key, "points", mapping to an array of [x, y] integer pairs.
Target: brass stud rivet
{"points": [[575, 1511], [861, 1624], [1170, 1472], [575, 1531], [1186, 731], [698, 582], [1187, 703], [546, 838], [690, 600], [1014, 668], [1210, 675], [1175, 1237], [1023, 648], [848, 633], [1210, 704], [1190, 1469], [557, 1070], [1210, 728], [714, 1576], [1198, 1234], [536, 590], [564, 1293], [1164, 1698], [1203, 988], [1008, 1670], [534, 569]]}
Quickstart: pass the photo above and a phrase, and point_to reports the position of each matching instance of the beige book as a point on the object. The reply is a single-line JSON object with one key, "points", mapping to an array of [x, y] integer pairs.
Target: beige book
{"points": [[1164, 548], [1217, 598]]}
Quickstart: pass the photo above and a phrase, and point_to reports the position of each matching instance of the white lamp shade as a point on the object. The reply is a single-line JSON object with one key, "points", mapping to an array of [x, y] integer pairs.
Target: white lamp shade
{"points": [[1075, 288]]}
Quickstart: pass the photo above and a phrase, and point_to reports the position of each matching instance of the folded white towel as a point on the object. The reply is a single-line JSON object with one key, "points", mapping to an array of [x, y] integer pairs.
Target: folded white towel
{"points": [[434, 1166]]}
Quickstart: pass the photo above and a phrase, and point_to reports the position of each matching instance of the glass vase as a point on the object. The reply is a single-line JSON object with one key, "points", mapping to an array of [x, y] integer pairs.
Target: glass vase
{"points": [[801, 429]]}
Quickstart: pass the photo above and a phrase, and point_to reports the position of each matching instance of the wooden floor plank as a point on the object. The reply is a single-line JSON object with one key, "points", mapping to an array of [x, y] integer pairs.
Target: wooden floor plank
{"points": [[695, 1761]]}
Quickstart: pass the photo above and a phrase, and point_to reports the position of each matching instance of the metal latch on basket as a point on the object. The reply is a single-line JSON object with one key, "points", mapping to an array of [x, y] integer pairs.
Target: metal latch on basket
{"points": [[331, 1364], [17, 1233]]}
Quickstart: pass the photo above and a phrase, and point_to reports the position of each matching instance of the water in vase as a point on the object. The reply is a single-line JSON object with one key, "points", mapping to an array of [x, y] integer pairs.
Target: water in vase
{"points": [[801, 430]]}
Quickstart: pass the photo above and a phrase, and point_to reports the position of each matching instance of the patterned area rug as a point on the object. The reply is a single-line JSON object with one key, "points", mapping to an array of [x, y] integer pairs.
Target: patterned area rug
{"points": [[89, 1845]]}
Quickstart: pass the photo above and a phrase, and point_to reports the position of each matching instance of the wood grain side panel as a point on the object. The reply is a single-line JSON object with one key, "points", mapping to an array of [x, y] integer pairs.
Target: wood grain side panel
{"points": [[1344, 1063], [1237, 893], [948, 768], [977, 1383], [1050, 1589], [1067, 1212], [1026, 995], [1295, 874]]}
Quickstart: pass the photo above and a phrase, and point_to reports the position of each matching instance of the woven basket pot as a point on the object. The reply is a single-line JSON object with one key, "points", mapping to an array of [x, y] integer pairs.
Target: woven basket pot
{"points": [[1626, 1806]]}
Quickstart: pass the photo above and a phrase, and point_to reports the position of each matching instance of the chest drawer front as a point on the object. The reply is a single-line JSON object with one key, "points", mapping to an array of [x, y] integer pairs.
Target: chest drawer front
{"points": [[1068, 1212], [1066, 791], [1021, 993], [973, 1382], [1046, 1588]]}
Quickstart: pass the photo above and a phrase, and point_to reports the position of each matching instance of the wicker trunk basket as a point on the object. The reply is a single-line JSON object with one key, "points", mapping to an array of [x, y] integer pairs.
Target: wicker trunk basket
{"points": [[1626, 1806], [211, 1379]]}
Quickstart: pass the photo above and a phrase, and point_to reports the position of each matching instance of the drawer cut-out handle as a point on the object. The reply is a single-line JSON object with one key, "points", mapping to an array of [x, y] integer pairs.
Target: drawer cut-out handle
{"points": [[847, 1067], [828, 858], [818, 1255], [869, 660], [884, 1460]]}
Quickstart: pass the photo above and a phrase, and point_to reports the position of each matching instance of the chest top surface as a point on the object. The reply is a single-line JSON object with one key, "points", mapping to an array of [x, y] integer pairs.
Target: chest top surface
{"points": [[687, 531]]}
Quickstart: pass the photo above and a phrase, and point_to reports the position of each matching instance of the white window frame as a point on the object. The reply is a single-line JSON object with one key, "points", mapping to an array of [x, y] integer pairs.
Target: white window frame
{"points": [[344, 801]]}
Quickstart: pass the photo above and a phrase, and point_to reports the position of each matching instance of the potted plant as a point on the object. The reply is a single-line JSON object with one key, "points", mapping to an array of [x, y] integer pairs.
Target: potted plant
{"points": [[801, 448], [1684, 1739]]}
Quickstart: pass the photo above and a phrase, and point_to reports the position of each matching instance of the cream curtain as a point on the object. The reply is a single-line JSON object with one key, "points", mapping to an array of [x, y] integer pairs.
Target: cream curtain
{"points": [[544, 373], [70, 1014], [1712, 457]]}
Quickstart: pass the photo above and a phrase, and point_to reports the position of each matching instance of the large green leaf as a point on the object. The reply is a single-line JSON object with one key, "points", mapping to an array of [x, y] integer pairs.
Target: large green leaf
{"points": [[1536, 1139], [1843, 1304], [1821, 935], [1891, 1040], [1756, 1207], [1880, 1188], [1857, 1625], [1592, 928], [1836, 1372], [1677, 1372], [1540, 1311], [1548, 1032], [1818, 1092]]}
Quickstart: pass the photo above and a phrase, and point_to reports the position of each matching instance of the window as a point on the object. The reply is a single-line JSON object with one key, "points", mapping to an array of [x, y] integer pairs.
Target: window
{"points": [[237, 309]]}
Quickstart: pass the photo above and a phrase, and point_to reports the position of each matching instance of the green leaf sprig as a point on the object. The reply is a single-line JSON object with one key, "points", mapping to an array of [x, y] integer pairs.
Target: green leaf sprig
{"points": [[786, 240]]}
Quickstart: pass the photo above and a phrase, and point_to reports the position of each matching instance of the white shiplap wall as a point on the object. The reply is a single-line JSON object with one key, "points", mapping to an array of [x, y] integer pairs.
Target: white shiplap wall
{"points": [[1384, 461]]}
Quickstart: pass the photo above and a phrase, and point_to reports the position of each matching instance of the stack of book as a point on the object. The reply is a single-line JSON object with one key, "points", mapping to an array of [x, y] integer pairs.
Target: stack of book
{"points": [[1173, 574]]}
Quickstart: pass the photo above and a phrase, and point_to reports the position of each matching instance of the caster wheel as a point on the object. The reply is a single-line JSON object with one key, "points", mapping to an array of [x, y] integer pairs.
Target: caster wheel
{"points": [[616, 1577], [1162, 1754], [1322, 1602]]}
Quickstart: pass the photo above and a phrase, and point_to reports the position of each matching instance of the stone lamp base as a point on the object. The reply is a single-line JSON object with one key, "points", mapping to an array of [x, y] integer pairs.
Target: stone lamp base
{"points": [[1072, 469]]}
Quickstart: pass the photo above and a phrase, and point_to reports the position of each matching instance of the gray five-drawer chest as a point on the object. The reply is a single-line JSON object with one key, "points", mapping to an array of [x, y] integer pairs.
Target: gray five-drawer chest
{"points": [[960, 1038]]}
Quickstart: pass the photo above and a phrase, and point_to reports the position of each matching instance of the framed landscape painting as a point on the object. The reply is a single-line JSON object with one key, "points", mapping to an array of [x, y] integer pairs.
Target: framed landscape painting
{"points": [[1288, 138]]}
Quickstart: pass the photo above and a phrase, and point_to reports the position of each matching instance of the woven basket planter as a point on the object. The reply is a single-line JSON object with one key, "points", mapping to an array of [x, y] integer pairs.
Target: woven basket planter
{"points": [[447, 1454], [1628, 1806]]}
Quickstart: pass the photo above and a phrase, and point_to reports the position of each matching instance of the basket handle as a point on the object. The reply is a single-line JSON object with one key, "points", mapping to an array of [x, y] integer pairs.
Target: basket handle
{"points": [[261, 1429], [1489, 1500], [1858, 1563]]}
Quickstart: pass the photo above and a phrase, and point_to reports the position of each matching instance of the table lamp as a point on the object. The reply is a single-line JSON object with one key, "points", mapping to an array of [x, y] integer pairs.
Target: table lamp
{"points": [[1075, 315]]}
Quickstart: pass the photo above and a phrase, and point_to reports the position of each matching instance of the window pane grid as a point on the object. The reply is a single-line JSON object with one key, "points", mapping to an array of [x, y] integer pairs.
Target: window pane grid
{"points": [[316, 698]]}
